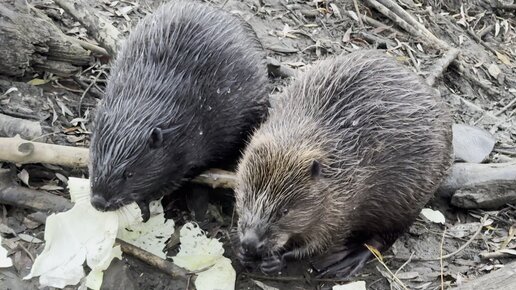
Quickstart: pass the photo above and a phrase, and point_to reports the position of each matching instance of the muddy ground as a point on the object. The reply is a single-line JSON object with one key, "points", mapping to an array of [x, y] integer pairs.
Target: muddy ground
{"points": [[295, 34]]}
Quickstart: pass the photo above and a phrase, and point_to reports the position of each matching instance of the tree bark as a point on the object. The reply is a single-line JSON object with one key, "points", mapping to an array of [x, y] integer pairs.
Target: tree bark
{"points": [[30, 42]]}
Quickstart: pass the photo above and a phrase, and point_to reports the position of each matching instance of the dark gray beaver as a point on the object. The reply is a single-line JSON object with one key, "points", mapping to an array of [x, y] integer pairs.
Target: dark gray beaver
{"points": [[351, 152], [185, 91]]}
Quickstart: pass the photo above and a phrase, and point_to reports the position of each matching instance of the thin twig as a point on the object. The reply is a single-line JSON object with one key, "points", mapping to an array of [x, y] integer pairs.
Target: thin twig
{"points": [[89, 46], [403, 14], [508, 106], [358, 14], [87, 89], [293, 278], [380, 260], [405, 264], [441, 260], [374, 22], [409, 27], [440, 66]]}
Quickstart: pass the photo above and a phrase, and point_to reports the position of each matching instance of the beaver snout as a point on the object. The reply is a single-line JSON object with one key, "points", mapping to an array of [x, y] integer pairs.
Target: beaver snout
{"points": [[101, 204], [251, 245]]}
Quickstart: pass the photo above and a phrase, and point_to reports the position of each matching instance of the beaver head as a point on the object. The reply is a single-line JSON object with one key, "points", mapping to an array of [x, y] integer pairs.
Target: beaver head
{"points": [[282, 200]]}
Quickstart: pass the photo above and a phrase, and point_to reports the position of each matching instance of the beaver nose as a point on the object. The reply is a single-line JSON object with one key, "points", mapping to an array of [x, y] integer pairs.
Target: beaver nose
{"points": [[99, 202], [251, 244]]}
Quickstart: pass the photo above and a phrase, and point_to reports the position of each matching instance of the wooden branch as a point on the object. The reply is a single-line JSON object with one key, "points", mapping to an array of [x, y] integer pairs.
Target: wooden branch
{"points": [[407, 25], [403, 14], [464, 175], [489, 196], [504, 278], [216, 178], [100, 28], [373, 22], [441, 65], [31, 42], [163, 265], [17, 150], [13, 194], [10, 126]]}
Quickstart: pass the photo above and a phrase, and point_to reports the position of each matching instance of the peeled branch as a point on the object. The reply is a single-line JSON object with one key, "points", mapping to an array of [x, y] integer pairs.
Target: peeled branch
{"points": [[20, 151]]}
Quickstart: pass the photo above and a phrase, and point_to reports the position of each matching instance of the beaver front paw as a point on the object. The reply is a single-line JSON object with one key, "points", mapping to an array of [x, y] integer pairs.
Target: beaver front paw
{"points": [[272, 264]]}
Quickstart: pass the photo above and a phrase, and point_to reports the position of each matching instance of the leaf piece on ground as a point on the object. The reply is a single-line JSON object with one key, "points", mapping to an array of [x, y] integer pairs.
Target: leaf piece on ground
{"points": [[358, 285], [199, 252], [434, 216], [5, 262]]}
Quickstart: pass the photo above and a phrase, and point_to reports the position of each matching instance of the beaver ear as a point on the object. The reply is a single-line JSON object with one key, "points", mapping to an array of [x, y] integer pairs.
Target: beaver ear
{"points": [[156, 138], [315, 169]]}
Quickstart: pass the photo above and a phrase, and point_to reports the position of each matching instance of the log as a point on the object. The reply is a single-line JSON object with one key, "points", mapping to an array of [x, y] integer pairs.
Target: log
{"points": [[13, 194], [502, 279], [10, 126], [17, 150], [464, 175], [30, 42], [100, 28], [489, 196]]}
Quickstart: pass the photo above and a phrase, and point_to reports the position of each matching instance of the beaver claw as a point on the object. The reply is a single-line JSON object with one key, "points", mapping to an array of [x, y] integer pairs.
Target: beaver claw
{"points": [[272, 264], [342, 264]]}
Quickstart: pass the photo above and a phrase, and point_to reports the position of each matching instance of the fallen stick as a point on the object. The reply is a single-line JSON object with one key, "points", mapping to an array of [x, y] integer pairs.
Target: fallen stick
{"points": [[504, 278], [101, 29], [89, 46], [17, 150], [403, 14], [10, 126], [440, 66], [163, 265], [373, 22], [13, 194], [489, 196], [461, 174], [495, 255], [464, 175], [405, 25]]}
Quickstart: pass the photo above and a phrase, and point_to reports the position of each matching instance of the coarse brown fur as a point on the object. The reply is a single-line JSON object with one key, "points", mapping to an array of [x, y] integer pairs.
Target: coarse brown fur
{"points": [[187, 88], [352, 149]]}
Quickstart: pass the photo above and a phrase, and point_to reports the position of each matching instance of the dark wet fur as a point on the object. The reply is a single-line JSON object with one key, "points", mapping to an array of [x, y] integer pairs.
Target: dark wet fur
{"points": [[196, 74], [351, 152]]}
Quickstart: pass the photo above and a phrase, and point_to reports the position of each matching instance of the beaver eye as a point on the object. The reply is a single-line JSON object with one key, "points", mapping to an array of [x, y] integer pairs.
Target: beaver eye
{"points": [[284, 211], [128, 174]]}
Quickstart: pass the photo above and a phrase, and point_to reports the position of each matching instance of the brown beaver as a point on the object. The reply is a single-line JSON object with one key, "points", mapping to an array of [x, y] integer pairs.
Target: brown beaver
{"points": [[351, 152], [185, 91]]}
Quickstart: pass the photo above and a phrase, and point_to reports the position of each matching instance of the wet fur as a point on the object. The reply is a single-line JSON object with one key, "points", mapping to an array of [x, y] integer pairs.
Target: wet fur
{"points": [[196, 72], [383, 141]]}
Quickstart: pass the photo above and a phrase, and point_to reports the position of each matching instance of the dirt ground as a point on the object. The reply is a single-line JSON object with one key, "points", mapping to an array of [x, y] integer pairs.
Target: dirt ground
{"points": [[295, 34]]}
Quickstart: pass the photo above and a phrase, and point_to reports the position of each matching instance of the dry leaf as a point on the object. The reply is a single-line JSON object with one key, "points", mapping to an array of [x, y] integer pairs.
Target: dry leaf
{"points": [[347, 36], [24, 177], [497, 28], [503, 58], [336, 10], [353, 15], [494, 70], [37, 82], [30, 239], [434, 216]]}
